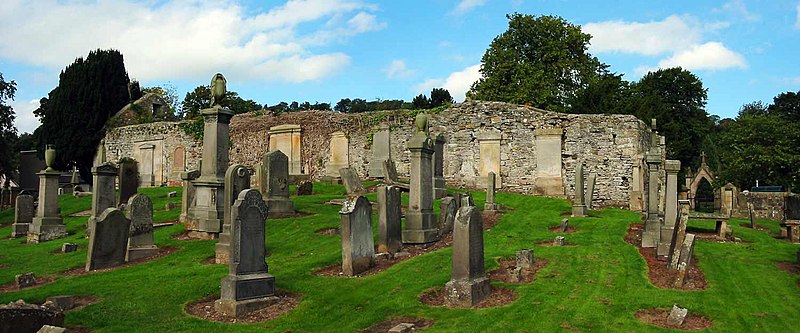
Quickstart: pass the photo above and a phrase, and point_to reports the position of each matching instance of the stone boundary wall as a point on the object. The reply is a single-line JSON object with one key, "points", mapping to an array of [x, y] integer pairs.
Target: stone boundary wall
{"points": [[610, 145], [766, 205]]}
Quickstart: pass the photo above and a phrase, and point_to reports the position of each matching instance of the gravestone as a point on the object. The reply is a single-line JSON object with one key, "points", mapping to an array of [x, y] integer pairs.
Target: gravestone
{"points": [[305, 188], [178, 161], [439, 185], [687, 249], [275, 182], [206, 213], [128, 179], [187, 198], [678, 234], [25, 280], [352, 182], [466, 200], [549, 180], [140, 240], [108, 241], [51, 329], [69, 247], [390, 172], [468, 283], [559, 241], [389, 226], [578, 206], [671, 168], [525, 258], [358, 251], [677, 316], [23, 216], [564, 225], [402, 328], [420, 225], [103, 191], [339, 154], [47, 224], [381, 151], [490, 206], [750, 211], [652, 226], [590, 190], [237, 179], [248, 285], [287, 138], [489, 158], [447, 214]]}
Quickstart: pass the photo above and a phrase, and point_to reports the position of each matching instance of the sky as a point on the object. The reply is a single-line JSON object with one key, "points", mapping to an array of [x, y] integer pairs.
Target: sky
{"points": [[325, 50]]}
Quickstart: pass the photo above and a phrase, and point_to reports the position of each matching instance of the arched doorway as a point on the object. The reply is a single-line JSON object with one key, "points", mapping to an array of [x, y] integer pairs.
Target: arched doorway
{"points": [[704, 197]]}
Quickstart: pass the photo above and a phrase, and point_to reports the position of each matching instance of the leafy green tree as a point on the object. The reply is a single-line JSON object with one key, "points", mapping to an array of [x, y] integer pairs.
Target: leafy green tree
{"points": [[440, 96], [8, 133], [74, 114], [343, 105], [200, 98], [421, 102], [786, 104], [540, 60], [607, 93]]}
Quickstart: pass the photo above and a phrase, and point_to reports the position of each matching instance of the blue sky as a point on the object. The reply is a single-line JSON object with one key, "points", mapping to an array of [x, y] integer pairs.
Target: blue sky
{"points": [[325, 50]]}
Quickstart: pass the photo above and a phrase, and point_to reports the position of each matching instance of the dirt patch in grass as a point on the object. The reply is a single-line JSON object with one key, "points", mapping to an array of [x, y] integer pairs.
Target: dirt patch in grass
{"points": [[81, 270], [659, 274], [40, 281], [790, 267], [570, 229], [499, 296], [282, 303], [658, 317], [327, 231], [386, 325], [490, 219], [503, 273]]}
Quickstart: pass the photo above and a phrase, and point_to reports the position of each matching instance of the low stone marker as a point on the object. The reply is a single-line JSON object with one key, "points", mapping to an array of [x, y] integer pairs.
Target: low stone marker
{"points": [[305, 188], [51, 329], [248, 285], [559, 241], [490, 206], [140, 214], [564, 225], [69, 247], [468, 283], [447, 214], [390, 233], [23, 216], [172, 194], [25, 280], [677, 315], [525, 258], [352, 182], [358, 251], [515, 274], [65, 302], [108, 242], [752, 215], [685, 259], [466, 200], [402, 328]]}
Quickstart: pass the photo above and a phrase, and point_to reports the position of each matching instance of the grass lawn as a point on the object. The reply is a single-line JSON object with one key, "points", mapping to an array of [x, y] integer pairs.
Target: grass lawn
{"points": [[596, 285]]}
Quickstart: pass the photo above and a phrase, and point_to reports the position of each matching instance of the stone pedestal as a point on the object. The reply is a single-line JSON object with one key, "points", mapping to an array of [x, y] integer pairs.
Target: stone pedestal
{"points": [[47, 224], [468, 283], [652, 226], [578, 206], [208, 210], [420, 218], [439, 185], [670, 207]]}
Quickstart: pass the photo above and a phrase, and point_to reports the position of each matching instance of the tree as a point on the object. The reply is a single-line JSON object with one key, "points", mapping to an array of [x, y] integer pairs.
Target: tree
{"points": [[74, 114], [440, 96], [540, 60], [421, 102], [200, 98], [170, 95], [786, 104], [343, 105], [8, 133], [607, 93]]}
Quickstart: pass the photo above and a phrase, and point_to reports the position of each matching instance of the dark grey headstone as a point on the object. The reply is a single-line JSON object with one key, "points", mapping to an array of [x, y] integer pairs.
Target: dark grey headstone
{"points": [[140, 213], [564, 226], [352, 182], [23, 216], [358, 249], [25, 280], [69, 247], [447, 214], [275, 182], [390, 171], [305, 188], [237, 179], [108, 242], [389, 219], [128, 179], [468, 283]]}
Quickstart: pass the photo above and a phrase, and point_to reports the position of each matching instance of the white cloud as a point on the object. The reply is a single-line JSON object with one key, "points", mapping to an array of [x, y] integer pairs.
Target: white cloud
{"points": [[397, 69], [25, 120], [739, 9], [457, 83], [709, 56], [467, 5], [651, 38], [186, 39]]}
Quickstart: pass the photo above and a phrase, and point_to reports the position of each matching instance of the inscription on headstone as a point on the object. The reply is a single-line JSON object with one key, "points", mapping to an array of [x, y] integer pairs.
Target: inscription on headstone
{"points": [[140, 213]]}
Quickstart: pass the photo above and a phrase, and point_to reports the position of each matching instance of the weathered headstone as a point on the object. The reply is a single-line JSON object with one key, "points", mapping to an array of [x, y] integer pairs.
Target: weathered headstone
{"points": [[390, 171], [676, 316], [47, 224], [447, 214], [389, 226], [248, 285], [25, 280], [140, 241], [515, 274], [287, 138], [490, 206], [590, 190], [549, 179], [578, 206], [19, 317], [69, 247], [358, 251], [128, 179], [305, 188], [525, 258], [339, 154], [420, 225], [564, 225], [172, 194], [559, 241], [671, 168], [466, 200], [65, 302], [275, 182], [652, 226], [685, 259], [402, 328], [752, 215], [439, 185], [381, 151], [51, 329], [489, 156], [678, 234], [468, 283], [23, 216], [352, 182], [108, 241], [187, 198], [237, 179], [103, 192]]}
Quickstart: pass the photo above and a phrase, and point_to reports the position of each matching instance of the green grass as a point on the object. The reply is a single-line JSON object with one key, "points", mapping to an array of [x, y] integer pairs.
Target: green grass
{"points": [[596, 285]]}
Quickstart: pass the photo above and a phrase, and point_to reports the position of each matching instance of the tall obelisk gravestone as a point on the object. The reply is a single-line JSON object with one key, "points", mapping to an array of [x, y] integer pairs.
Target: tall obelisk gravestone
{"points": [[420, 218], [670, 207], [47, 224]]}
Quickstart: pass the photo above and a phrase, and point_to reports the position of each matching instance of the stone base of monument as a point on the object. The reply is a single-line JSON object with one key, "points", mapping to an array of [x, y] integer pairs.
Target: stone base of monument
{"points": [[421, 228], [664, 241], [578, 210], [46, 232], [241, 294], [466, 293], [19, 230], [439, 188], [420, 236], [490, 208], [650, 238], [549, 186], [280, 205], [141, 252]]}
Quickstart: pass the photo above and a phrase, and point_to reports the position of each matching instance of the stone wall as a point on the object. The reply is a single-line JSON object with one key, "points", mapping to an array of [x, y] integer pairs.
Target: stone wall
{"points": [[610, 145], [766, 205]]}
